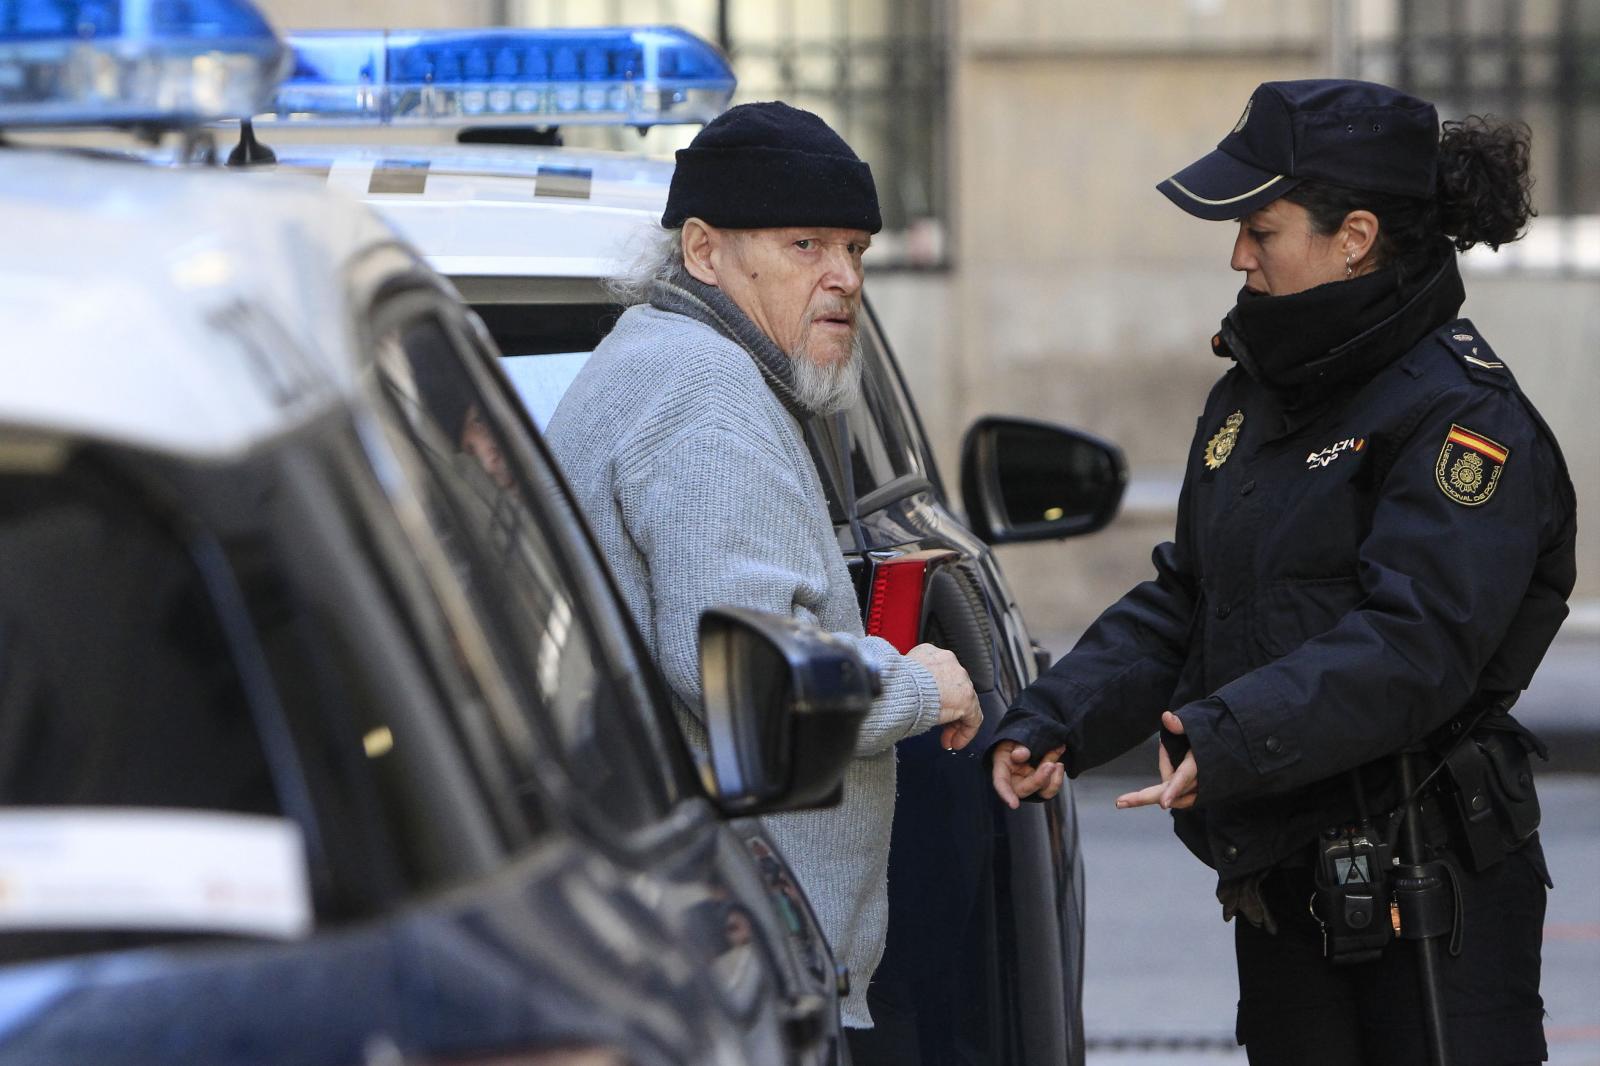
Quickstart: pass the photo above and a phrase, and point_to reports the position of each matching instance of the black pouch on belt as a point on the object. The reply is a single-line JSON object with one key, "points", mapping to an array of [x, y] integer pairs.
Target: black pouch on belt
{"points": [[1491, 784], [1352, 894]]}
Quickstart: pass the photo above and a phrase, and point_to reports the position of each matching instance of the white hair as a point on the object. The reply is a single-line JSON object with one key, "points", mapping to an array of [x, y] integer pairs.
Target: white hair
{"points": [[655, 254]]}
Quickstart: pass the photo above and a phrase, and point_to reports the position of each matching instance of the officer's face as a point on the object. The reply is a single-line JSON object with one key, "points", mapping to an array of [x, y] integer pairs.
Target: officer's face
{"points": [[1282, 254], [802, 286]]}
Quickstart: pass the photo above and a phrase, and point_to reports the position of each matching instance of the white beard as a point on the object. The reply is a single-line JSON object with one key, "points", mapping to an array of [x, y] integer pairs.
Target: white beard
{"points": [[827, 390]]}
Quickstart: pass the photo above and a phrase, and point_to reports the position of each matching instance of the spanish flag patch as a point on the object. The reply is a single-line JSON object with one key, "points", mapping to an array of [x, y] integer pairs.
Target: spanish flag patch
{"points": [[1469, 466]]}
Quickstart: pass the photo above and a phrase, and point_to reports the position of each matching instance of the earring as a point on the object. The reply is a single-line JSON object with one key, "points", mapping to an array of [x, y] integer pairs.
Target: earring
{"points": [[1349, 271]]}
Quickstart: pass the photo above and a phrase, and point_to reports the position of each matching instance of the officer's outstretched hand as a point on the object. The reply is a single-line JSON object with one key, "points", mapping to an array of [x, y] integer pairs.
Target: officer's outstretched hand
{"points": [[1015, 780], [1179, 787]]}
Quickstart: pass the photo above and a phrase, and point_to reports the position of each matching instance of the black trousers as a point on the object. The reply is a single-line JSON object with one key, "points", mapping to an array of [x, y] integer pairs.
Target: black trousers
{"points": [[893, 1040], [1295, 1009]]}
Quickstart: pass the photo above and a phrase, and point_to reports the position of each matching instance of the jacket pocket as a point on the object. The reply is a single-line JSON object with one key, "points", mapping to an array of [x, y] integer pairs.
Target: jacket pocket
{"points": [[1288, 613]]}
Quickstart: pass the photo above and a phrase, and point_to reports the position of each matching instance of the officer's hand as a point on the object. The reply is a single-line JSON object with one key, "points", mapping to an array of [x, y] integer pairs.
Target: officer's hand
{"points": [[1014, 780], [959, 712], [1179, 787]]}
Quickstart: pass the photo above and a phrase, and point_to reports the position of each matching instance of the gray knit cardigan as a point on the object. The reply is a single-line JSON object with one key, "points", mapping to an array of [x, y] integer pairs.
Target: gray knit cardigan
{"points": [[700, 488]]}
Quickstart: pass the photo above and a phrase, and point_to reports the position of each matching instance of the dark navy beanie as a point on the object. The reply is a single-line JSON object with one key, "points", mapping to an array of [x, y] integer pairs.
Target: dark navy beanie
{"points": [[762, 166]]}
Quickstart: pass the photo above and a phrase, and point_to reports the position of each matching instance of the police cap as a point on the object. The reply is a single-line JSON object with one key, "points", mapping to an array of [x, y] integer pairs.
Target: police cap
{"points": [[1354, 134]]}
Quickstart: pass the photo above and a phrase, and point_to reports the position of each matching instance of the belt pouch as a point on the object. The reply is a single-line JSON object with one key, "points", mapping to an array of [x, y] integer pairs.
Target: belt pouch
{"points": [[1495, 801]]}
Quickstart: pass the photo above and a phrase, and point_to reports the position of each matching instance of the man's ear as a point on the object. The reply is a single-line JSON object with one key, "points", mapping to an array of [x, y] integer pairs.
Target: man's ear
{"points": [[1358, 237], [699, 246]]}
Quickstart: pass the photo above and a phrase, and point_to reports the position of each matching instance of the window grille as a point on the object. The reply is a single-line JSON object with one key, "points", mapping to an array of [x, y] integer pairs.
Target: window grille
{"points": [[1533, 60], [876, 70]]}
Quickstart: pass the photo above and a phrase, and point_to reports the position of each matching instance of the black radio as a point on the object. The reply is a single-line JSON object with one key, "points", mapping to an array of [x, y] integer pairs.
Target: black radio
{"points": [[1352, 897]]}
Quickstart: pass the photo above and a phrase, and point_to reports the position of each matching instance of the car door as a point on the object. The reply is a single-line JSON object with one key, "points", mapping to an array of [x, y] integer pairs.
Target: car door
{"points": [[598, 739], [1016, 902], [1008, 882], [239, 752]]}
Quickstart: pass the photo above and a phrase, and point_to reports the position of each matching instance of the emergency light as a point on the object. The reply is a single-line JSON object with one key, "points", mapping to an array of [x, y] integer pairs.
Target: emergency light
{"points": [[637, 76], [146, 63]]}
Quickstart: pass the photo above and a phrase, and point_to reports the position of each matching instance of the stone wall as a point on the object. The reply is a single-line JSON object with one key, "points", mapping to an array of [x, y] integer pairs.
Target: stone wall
{"points": [[1078, 294]]}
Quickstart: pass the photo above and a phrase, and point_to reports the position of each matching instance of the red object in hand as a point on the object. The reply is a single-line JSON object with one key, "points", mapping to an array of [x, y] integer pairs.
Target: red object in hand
{"points": [[895, 610]]}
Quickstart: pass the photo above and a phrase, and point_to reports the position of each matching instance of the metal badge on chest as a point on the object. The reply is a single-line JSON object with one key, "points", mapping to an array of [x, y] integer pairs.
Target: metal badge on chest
{"points": [[1221, 446]]}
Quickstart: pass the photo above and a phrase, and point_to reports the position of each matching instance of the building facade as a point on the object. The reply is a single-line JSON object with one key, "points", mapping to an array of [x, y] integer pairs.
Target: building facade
{"points": [[1030, 267]]}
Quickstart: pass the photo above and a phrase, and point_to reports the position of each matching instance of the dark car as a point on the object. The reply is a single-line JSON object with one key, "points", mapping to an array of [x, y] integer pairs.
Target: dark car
{"points": [[991, 958], [324, 738], [986, 909], [985, 943]]}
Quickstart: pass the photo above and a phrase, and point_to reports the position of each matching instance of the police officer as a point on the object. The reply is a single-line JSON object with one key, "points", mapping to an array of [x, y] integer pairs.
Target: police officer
{"points": [[1373, 552]]}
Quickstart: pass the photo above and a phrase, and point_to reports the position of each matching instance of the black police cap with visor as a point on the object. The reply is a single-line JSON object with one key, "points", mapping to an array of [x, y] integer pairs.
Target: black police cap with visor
{"points": [[1353, 134]]}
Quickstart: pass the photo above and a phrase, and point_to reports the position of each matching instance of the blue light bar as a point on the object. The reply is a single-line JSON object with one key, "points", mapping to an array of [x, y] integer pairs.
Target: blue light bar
{"points": [[638, 76], [161, 63]]}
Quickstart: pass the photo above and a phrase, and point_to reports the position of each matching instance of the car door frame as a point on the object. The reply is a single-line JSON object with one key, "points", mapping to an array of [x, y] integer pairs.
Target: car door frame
{"points": [[690, 824]]}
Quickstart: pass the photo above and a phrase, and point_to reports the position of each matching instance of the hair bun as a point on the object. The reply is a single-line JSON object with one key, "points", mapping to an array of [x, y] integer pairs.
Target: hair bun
{"points": [[1484, 181]]}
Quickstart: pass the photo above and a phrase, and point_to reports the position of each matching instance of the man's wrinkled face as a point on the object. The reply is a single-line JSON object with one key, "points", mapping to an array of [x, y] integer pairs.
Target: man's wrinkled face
{"points": [[800, 285]]}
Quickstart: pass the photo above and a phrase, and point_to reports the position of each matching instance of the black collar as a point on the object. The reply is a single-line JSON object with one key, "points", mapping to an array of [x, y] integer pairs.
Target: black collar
{"points": [[1310, 347]]}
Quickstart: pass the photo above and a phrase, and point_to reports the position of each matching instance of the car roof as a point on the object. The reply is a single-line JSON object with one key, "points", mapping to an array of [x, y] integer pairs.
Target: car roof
{"points": [[178, 310], [486, 210]]}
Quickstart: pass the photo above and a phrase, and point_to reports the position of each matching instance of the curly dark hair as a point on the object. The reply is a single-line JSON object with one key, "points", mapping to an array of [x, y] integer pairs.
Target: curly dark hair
{"points": [[1483, 197], [1485, 190]]}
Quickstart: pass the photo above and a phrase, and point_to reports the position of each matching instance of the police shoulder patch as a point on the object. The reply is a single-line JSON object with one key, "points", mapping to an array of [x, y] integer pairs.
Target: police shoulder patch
{"points": [[1469, 466]]}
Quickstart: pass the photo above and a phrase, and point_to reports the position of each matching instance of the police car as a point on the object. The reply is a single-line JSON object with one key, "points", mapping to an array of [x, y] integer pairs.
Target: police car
{"points": [[324, 738], [986, 904]]}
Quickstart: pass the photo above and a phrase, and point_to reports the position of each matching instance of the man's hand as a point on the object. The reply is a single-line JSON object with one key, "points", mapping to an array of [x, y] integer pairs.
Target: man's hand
{"points": [[1178, 788], [1014, 780], [959, 712]]}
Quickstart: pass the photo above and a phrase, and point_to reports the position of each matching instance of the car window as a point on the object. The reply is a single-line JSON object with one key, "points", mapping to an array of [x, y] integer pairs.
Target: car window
{"points": [[485, 509], [900, 412], [359, 637], [542, 379], [543, 346], [879, 451], [185, 637], [117, 685]]}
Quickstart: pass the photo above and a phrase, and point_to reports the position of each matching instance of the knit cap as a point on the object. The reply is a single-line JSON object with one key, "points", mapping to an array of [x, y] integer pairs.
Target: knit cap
{"points": [[767, 165]]}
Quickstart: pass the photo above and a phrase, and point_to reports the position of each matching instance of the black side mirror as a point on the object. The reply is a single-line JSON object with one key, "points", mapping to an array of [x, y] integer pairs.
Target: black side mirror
{"points": [[783, 703], [1026, 480]]}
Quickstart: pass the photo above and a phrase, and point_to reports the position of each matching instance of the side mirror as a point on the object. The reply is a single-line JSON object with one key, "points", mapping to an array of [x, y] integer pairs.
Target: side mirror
{"points": [[783, 704], [1025, 480]]}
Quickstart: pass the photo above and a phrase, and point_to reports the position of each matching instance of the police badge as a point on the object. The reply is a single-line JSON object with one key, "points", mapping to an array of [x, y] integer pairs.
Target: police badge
{"points": [[1469, 466], [1221, 446]]}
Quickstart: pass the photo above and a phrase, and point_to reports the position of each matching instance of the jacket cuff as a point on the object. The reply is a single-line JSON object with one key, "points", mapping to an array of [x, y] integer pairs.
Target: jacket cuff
{"points": [[1234, 753], [1034, 732]]}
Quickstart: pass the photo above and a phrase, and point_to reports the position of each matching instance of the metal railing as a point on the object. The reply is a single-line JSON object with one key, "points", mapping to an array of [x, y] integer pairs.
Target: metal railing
{"points": [[877, 70]]}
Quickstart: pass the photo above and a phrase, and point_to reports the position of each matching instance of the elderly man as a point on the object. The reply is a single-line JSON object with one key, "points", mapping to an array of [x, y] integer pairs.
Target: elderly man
{"points": [[682, 435]]}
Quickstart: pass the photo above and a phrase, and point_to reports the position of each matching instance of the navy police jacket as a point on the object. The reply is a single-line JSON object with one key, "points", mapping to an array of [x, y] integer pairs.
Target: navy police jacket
{"points": [[1345, 577]]}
